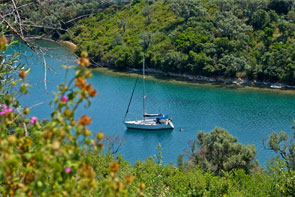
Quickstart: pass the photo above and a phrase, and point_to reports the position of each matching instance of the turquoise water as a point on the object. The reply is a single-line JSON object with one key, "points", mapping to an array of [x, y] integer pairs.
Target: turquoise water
{"points": [[249, 115]]}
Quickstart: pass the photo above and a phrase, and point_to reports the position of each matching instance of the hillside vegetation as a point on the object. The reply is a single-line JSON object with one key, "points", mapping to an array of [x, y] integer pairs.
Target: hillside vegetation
{"points": [[230, 38]]}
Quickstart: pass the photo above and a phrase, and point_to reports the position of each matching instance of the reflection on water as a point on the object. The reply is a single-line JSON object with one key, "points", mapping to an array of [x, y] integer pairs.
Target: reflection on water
{"points": [[157, 133], [144, 142]]}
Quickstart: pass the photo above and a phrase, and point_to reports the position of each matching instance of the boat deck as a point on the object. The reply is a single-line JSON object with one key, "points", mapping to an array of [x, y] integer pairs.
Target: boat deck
{"points": [[149, 124]]}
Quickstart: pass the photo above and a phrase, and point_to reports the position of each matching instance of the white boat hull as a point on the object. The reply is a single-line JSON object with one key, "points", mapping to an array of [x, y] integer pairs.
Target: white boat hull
{"points": [[148, 125]]}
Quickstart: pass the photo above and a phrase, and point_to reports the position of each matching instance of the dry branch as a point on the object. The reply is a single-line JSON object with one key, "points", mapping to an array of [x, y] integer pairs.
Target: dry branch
{"points": [[45, 71], [18, 16], [16, 33], [45, 27]]}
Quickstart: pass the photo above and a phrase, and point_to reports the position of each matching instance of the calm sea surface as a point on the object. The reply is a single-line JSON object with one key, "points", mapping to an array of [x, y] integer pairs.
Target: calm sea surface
{"points": [[249, 115]]}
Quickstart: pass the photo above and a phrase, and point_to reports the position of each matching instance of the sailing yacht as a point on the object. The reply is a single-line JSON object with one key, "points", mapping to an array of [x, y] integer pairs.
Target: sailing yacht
{"points": [[149, 121]]}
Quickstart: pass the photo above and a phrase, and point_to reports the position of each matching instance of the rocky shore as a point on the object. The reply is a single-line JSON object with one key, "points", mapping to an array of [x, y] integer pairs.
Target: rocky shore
{"points": [[66, 42], [219, 80]]}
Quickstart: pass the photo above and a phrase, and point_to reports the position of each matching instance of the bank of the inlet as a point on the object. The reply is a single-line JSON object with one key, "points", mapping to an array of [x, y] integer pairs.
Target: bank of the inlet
{"points": [[219, 80], [200, 79]]}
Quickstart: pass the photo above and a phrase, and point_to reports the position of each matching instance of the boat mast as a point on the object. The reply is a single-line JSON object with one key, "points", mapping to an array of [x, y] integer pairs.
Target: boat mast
{"points": [[143, 84], [130, 99]]}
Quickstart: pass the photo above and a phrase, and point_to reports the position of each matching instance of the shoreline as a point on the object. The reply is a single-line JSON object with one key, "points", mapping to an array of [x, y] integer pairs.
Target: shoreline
{"points": [[199, 80], [186, 80], [68, 43]]}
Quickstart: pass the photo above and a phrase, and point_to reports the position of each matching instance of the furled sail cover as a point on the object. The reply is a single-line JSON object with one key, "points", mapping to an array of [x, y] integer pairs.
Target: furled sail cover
{"points": [[159, 116], [152, 115], [163, 116]]}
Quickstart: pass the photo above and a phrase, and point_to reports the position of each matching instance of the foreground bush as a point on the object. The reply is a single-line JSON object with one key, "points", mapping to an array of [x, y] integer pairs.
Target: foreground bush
{"points": [[50, 158]]}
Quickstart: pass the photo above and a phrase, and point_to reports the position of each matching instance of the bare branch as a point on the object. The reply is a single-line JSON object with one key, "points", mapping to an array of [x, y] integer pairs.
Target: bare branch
{"points": [[36, 105], [12, 12], [45, 71], [25, 128], [19, 7], [18, 16], [113, 144], [15, 32], [79, 17], [45, 27]]}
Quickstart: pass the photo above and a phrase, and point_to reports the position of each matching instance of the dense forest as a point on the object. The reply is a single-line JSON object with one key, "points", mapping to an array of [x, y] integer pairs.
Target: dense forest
{"points": [[232, 38], [216, 38]]}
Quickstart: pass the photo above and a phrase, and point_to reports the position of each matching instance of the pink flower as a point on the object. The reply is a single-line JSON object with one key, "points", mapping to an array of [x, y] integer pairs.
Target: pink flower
{"points": [[4, 107], [34, 120], [64, 99], [68, 170]]}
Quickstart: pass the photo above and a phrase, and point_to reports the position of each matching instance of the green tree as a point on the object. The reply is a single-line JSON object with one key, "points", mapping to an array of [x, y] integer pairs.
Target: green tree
{"points": [[174, 61], [230, 65], [147, 12], [190, 40], [231, 26], [281, 6], [250, 6], [199, 61], [220, 152], [284, 146], [260, 19], [122, 22], [117, 40], [146, 40], [187, 8]]}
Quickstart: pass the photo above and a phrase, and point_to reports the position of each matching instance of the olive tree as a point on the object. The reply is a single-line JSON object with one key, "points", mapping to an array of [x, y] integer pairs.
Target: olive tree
{"points": [[220, 152], [284, 146], [260, 19], [187, 8], [228, 25]]}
